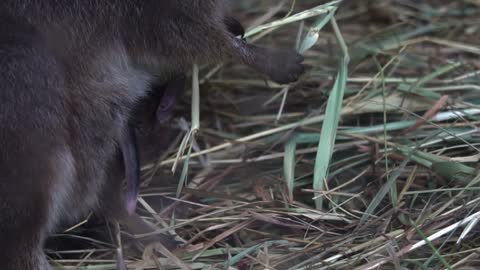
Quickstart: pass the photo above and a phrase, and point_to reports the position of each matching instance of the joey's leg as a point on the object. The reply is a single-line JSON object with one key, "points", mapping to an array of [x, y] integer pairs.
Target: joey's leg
{"points": [[113, 207], [134, 224], [129, 148]]}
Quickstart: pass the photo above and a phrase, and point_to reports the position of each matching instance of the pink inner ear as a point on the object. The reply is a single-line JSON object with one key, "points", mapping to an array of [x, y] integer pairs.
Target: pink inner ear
{"points": [[165, 108], [167, 103]]}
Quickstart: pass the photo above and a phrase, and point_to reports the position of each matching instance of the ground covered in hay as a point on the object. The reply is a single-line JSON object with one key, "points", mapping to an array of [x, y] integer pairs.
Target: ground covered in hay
{"points": [[391, 95]]}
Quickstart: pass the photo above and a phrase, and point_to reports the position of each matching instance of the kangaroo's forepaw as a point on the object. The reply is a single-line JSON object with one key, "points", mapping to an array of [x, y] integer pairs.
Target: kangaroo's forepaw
{"points": [[285, 66]]}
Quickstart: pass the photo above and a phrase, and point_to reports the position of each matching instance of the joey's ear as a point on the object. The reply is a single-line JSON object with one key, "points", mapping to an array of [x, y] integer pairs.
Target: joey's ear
{"points": [[234, 26], [172, 90]]}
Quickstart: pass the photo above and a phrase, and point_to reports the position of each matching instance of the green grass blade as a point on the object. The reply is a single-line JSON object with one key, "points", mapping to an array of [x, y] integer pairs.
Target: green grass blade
{"points": [[383, 192], [314, 32], [310, 13], [330, 124], [289, 166], [329, 131]]}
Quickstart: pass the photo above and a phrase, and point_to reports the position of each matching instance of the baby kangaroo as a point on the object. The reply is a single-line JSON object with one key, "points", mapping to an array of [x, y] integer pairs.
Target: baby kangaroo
{"points": [[149, 118], [71, 72], [169, 92], [150, 134]]}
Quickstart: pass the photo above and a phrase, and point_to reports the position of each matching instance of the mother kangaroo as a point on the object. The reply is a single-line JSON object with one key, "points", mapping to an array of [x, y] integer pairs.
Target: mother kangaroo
{"points": [[71, 71]]}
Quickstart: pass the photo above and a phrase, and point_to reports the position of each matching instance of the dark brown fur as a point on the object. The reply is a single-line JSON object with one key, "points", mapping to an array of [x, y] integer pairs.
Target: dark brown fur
{"points": [[71, 71]]}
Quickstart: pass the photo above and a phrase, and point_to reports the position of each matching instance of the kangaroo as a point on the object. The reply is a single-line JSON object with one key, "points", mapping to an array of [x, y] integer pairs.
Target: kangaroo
{"points": [[71, 74]]}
